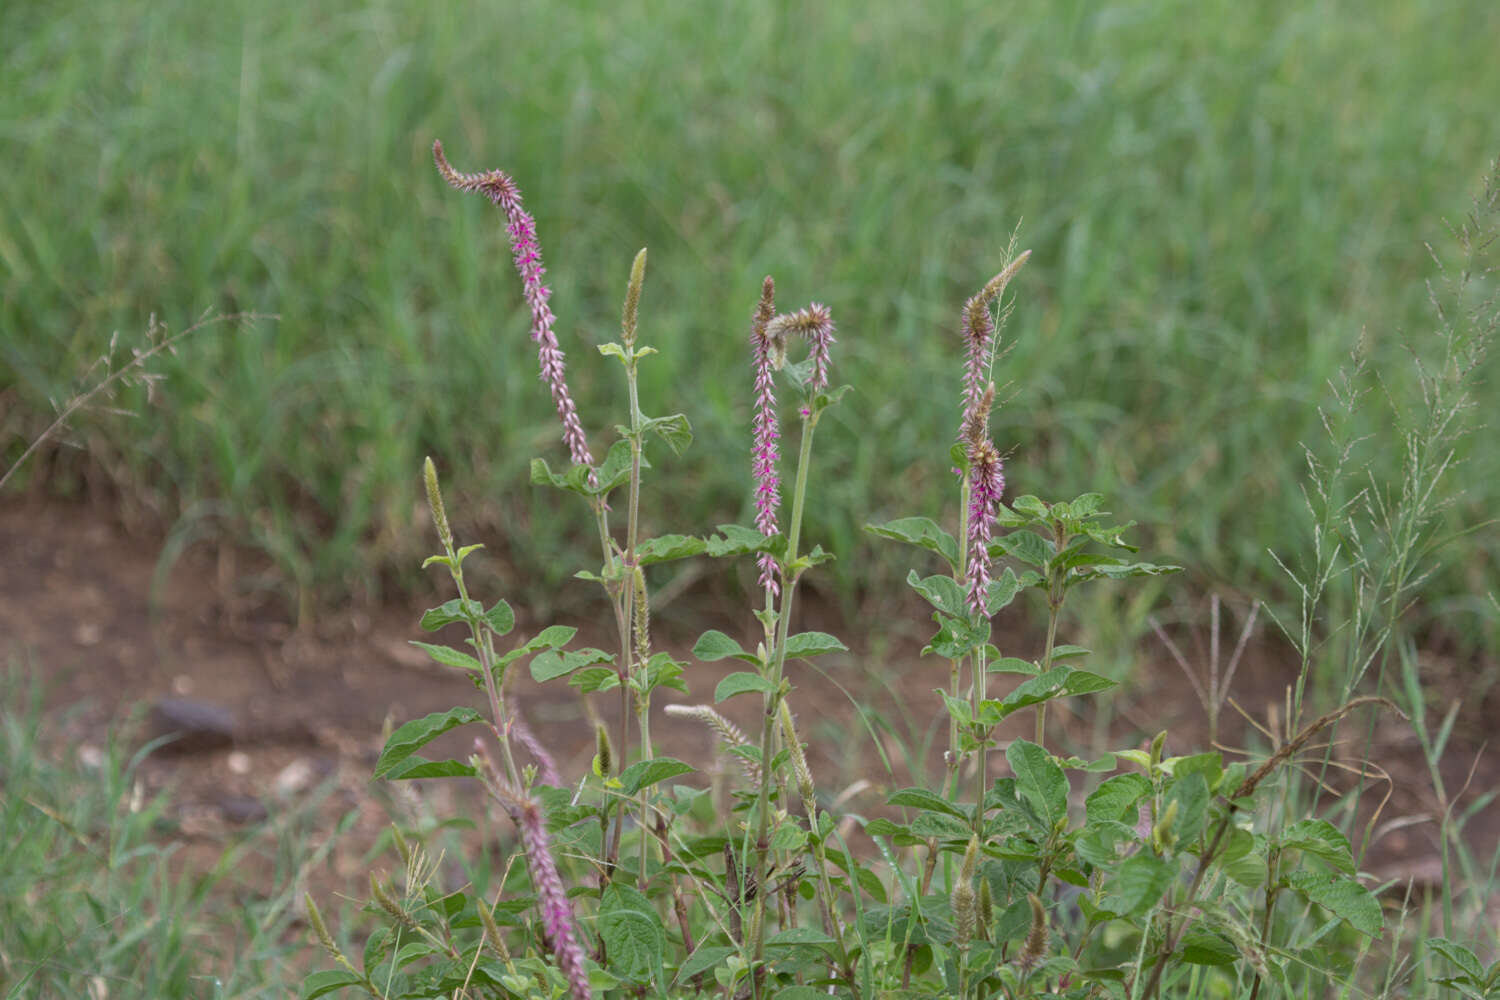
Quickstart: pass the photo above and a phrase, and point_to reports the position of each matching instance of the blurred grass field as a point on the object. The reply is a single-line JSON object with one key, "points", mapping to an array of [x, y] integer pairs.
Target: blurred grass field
{"points": [[1219, 196]]}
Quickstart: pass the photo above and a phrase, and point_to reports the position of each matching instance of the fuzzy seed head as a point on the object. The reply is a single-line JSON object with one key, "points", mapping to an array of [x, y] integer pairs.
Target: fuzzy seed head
{"points": [[965, 912], [986, 486], [604, 751], [642, 616], [1035, 948], [435, 503], [799, 759], [728, 732], [633, 298]]}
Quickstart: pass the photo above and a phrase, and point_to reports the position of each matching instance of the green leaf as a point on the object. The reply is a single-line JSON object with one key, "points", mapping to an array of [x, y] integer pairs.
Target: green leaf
{"points": [[615, 469], [668, 547], [322, 983], [674, 430], [1002, 591], [1322, 839], [799, 936], [632, 933], [645, 773], [1191, 795], [1039, 780], [1459, 956], [1130, 570], [942, 592], [703, 959], [1115, 796], [1013, 665], [810, 644], [715, 645], [957, 637], [1083, 682], [501, 618], [921, 798], [930, 824], [738, 540], [922, 532], [418, 733], [1085, 505], [591, 679], [553, 663], [1043, 687], [575, 480], [1343, 897], [739, 683], [1063, 651], [1027, 546], [446, 614], [448, 656], [614, 351], [417, 766], [1032, 507], [552, 637], [1139, 884], [1205, 947]]}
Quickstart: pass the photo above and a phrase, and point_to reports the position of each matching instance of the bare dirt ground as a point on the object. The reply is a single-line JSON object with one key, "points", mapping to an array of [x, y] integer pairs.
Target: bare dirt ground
{"points": [[275, 714]]}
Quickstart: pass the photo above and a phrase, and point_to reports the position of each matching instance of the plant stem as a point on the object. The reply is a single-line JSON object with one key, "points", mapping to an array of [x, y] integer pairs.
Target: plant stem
{"points": [[778, 661]]}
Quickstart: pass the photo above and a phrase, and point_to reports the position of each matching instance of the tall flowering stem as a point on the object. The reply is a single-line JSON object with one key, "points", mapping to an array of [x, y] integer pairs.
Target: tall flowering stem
{"points": [[767, 433], [815, 323], [498, 187]]}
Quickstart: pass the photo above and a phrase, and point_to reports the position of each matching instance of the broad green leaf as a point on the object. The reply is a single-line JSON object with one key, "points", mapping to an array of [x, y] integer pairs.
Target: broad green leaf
{"points": [[1035, 690], [1013, 665], [674, 430], [1064, 651], [417, 766], [799, 936], [501, 618], [1116, 796], [931, 824], [703, 959], [614, 351], [644, 773], [632, 933], [1459, 956], [591, 679], [446, 614], [1084, 682], [736, 540], [787, 837], [1039, 780], [552, 637], [942, 592], [957, 637], [1191, 795], [739, 683], [418, 733], [922, 532], [575, 480], [1027, 546], [715, 645], [1343, 897], [322, 983], [1130, 570], [1032, 507], [1322, 839], [921, 798], [615, 469], [1002, 591], [809, 644], [1201, 946], [448, 656], [1085, 505], [668, 547], [552, 663], [1139, 884]]}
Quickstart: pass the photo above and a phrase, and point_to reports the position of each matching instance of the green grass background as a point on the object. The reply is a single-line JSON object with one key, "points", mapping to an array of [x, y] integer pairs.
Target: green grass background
{"points": [[1219, 195]]}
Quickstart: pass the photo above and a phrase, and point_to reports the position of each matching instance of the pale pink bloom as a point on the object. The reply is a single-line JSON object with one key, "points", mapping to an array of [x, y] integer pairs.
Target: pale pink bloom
{"points": [[500, 189], [765, 453]]}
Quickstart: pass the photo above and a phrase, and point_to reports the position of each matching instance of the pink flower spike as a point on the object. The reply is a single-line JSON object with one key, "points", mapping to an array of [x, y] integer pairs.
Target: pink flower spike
{"points": [[502, 191], [986, 486], [557, 914], [767, 433], [978, 332]]}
